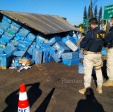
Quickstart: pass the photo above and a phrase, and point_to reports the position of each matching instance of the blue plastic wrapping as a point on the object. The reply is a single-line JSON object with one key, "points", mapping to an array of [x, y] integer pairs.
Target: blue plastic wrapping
{"points": [[5, 39], [12, 31], [81, 55], [14, 42], [1, 50], [18, 53], [24, 30], [71, 45], [40, 39], [17, 24], [1, 31], [56, 46], [45, 47], [53, 40], [60, 52], [71, 62], [70, 55], [30, 37], [56, 59], [80, 68], [76, 39], [21, 47], [73, 40], [14, 28], [52, 51], [25, 43], [60, 45], [1, 54], [50, 59], [28, 40], [70, 33], [38, 46], [19, 36], [37, 56], [2, 42], [6, 60], [9, 49], [45, 56], [64, 39], [8, 35], [28, 55], [79, 36], [7, 19], [15, 63], [6, 23], [3, 27], [30, 51], [104, 52]]}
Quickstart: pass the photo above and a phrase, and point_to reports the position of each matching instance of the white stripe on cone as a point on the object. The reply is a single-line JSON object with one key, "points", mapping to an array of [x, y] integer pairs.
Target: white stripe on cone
{"points": [[22, 96], [24, 110]]}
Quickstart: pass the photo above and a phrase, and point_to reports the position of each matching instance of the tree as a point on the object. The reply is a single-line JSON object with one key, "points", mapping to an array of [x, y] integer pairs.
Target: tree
{"points": [[95, 12], [85, 13], [100, 14], [89, 12], [80, 25], [76, 26], [64, 18], [92, 14]]}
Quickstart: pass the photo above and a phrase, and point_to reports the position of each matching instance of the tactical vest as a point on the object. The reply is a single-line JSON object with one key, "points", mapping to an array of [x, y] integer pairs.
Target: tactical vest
{"points": [[96, 41]]}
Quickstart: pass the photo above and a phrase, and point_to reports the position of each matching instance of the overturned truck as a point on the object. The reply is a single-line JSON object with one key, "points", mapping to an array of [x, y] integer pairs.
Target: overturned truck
{"points": [[36, 37]]}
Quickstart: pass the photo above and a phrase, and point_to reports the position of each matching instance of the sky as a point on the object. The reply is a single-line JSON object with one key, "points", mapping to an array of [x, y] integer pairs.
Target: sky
{"points": [[70, 9]]}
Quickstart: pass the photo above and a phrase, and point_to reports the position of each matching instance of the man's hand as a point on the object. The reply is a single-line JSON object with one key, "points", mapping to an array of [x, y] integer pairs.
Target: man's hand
{"points": [[82, 37], [78, 44]]}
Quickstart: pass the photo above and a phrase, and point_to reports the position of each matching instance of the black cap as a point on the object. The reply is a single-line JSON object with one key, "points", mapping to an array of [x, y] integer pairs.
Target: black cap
{"points": [[93, 21]]}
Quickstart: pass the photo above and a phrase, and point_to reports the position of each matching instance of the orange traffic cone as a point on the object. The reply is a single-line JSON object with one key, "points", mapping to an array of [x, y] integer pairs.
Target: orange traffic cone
{"points": [[23, 104]]}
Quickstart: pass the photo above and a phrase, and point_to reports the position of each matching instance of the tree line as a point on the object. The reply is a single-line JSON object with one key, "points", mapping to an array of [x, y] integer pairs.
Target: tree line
{"points": [[95, 13]]}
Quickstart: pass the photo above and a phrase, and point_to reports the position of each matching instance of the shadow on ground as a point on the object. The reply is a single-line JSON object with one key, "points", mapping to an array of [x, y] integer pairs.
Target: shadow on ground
{"points": [[33, 94], [90, 104], [44, 104]]}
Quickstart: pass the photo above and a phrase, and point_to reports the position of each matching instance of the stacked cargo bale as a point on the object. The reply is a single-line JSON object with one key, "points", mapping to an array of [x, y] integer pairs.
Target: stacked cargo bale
{"points": [[18, 41], [5, 53]]}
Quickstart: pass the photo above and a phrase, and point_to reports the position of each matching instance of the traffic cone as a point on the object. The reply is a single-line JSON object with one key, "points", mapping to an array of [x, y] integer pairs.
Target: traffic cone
{"points": [[23, 103]]}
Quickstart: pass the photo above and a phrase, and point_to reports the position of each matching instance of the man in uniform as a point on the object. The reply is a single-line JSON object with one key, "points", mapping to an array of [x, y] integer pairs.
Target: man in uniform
{"points": [[109, 45], [92, 44]]}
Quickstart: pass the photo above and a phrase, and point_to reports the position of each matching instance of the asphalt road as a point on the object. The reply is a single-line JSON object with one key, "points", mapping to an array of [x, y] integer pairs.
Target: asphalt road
{"points": [[52, 87]]}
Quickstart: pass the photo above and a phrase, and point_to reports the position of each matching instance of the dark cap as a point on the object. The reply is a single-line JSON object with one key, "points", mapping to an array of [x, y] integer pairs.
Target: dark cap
{"points": [[93, 21]]}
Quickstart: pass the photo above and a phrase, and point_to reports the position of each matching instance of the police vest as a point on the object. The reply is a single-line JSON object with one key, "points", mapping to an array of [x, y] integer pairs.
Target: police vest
{"points": [[96, 41]]}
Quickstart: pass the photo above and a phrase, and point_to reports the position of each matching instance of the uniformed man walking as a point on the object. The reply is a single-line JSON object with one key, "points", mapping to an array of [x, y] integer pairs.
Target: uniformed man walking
{"points": [[92, 44], [109, 45]]}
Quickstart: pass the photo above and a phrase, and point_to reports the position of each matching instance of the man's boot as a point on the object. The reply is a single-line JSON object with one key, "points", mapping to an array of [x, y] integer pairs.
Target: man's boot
{"points": [[108, 83], [99, 89]]}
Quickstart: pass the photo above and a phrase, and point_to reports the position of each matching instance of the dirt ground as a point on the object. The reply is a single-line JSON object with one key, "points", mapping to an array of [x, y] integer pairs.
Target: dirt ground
{"points": [[52, 88]]}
